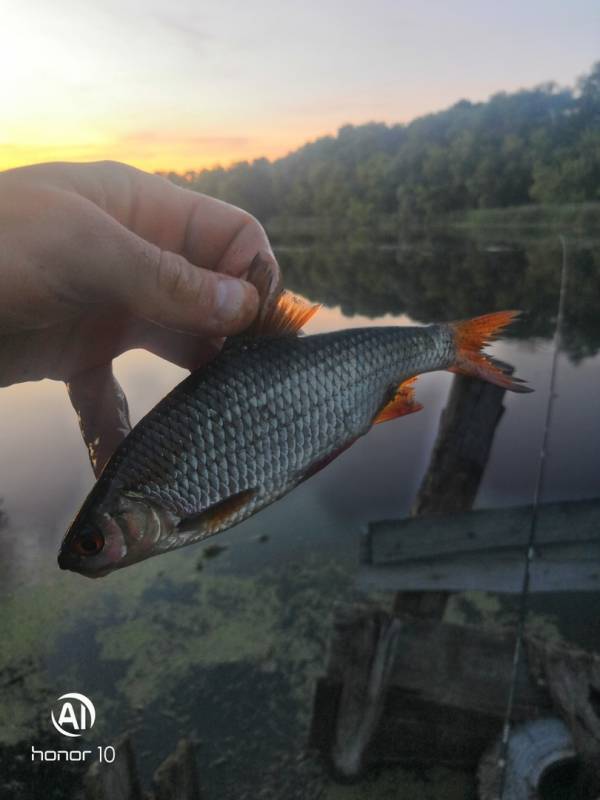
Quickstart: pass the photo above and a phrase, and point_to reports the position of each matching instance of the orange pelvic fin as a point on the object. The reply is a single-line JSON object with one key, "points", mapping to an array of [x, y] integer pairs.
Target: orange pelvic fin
{"points": [[471, 336], [402, 403]]}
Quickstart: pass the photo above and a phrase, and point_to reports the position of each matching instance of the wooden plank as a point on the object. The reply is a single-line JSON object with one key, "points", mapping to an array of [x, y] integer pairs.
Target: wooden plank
{"points": [[417, 732], [503, 530], [176, 778], [364, 692], [444, 693], [476, 574], [418, 690], [464, 667]]}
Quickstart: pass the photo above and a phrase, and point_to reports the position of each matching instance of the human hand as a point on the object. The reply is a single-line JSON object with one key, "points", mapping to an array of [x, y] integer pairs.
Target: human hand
{"points": [[97, 259]]}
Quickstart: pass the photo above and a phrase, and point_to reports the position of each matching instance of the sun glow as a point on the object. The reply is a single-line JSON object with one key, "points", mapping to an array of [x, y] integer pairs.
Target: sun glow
{"points": [[166, 85]]}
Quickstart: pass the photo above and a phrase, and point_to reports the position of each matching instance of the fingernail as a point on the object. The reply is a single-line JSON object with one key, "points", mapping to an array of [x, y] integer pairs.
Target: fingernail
{"points": [[231, 298]]}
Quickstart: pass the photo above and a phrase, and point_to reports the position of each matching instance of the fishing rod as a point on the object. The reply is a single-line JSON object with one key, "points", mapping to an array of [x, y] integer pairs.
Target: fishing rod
{"points": [[530, 553]]}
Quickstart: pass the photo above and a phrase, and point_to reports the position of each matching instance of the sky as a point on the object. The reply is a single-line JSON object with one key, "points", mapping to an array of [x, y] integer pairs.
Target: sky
{"points": [[187, 84]]}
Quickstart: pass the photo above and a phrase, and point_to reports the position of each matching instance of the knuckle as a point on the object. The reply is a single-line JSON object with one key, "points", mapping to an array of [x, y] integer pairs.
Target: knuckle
{"points": [[178, 281], [110, 166], [250, 221], [172, 280]]}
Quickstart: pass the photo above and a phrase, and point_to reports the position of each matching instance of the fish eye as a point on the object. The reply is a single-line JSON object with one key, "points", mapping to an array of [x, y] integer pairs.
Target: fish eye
{"points": [[89, 543]]}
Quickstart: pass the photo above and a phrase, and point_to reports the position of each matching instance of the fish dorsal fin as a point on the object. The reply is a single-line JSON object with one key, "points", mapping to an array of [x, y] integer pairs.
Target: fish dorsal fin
{"points": [[402, 403], [280, 313], [287, 316], [218, 516]]}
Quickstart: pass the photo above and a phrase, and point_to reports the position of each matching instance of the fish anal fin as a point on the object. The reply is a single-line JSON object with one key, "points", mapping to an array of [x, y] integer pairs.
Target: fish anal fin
{"points": [[402, 403], [219, 516], [288, 314]]}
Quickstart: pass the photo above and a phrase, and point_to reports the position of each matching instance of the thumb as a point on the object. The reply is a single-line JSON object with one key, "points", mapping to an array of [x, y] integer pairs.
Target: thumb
{"points": [[162, 286], [172, 292]]}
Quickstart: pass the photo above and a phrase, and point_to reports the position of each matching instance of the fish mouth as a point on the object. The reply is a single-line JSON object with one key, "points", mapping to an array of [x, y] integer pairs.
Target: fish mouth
{"points": [[72, 563]]}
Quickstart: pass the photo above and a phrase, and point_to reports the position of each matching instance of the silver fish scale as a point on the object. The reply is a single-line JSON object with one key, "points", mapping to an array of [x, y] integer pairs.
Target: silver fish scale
{"points": [[268, 410]]}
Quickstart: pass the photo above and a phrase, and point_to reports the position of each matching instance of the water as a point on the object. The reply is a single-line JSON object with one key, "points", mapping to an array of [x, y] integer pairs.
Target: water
{"points": [[226, 650]]}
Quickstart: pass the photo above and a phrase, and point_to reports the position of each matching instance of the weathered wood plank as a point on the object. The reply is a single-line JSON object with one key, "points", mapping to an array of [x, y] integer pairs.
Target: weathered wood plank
{"points": [[478, 574], [364, 691], [464, 667], [418, 691], [176, 778], [417, 732], [504, 530], [444, 692], [573, 680]]}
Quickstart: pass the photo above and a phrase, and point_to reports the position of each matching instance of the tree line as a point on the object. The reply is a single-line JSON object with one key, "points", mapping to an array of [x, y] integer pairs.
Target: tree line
{"points": [[539, 145]]}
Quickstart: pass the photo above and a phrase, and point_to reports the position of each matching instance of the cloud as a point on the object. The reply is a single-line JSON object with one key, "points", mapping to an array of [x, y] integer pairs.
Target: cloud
{"points": [[149, 137], [188, 27], [151, 150]]}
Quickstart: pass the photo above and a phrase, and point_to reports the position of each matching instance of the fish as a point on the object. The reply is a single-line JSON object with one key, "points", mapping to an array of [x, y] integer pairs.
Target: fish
{"points": [[270, 411]]}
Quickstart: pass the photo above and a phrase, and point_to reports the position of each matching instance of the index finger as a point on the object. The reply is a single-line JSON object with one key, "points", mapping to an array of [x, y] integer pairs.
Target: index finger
{"points": [[206, 231]]}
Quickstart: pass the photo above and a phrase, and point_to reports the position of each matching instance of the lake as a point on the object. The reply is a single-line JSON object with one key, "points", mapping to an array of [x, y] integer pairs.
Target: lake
{"points": [[225, 647]]}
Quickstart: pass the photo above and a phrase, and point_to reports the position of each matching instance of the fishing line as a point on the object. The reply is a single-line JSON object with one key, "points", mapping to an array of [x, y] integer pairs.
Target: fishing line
{"points": [[530, 554]]}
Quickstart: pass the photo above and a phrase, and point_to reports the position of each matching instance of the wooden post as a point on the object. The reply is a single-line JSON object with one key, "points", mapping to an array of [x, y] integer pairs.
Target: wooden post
{"points": [[177, 777], [462, 448], [461, 451], [366, 647], [116, 781]]}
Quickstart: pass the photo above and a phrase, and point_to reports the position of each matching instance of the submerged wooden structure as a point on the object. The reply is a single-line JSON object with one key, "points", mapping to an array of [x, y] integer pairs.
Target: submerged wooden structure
{"points": [[175, 779], [428, 693], [406, 687]]}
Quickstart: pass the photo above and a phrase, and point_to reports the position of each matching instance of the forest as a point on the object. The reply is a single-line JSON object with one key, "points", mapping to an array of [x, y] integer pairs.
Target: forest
{"points": [[533, 146]]}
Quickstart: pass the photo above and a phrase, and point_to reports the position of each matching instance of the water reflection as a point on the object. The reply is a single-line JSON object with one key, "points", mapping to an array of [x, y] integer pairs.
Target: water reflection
{"points": [[227, 650], [444, 277]]}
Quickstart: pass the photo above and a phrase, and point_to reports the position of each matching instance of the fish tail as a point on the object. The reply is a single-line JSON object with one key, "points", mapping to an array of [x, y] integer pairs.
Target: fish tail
{"points": [[471, 336]]}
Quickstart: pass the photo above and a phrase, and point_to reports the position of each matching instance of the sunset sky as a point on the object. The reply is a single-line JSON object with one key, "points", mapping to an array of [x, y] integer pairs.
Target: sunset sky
{"points": [[183, 84]]}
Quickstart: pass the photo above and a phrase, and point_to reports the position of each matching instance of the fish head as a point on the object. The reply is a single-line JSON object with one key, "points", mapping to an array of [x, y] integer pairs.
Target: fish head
{"points": [[109, 536]]}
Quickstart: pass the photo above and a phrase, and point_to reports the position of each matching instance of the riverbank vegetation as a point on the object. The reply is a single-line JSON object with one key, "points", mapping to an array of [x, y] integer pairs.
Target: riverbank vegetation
{"points": [[516, 151]]}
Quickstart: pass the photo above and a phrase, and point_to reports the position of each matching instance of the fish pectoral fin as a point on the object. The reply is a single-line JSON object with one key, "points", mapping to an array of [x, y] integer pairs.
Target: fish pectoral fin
{"points": [[219, 516], [402, 403]]}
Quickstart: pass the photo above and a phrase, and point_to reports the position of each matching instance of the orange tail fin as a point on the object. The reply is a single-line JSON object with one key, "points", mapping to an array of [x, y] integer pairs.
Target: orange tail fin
{"points": [[471, 336]]}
